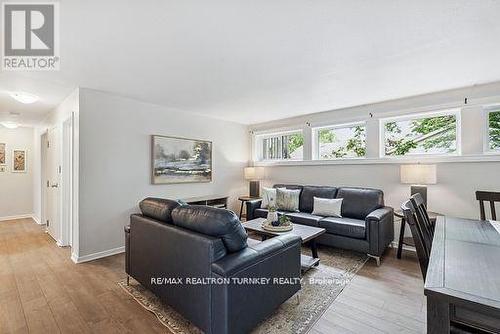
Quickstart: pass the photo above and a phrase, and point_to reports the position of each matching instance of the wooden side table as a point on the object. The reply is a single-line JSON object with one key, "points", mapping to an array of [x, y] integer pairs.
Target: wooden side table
{"points": [[243, 200], [409, 240]]}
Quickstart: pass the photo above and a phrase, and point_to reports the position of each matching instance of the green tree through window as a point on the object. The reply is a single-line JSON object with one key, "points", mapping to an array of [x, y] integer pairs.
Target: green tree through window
{"points": [[420, 136], [494, 130], [344, 142]]}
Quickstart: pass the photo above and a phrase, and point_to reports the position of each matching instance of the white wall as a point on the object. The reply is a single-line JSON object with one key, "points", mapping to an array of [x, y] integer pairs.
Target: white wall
{"points": [[16, 189], [458, 177], [115, 160]]}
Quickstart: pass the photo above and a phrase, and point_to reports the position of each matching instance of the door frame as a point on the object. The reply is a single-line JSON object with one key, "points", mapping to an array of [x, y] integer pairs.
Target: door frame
{"points": [[67, 182], [43, 178]]}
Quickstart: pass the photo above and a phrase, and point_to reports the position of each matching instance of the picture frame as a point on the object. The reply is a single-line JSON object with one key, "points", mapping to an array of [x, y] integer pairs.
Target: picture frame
{"points": [[3, 153], [180, 160], [19, 161]]}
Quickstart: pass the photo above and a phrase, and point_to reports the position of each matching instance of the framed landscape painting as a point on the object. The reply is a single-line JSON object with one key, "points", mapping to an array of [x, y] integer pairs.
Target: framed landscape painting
{"points": [[2, 153], [181, 160], [19, 161]]}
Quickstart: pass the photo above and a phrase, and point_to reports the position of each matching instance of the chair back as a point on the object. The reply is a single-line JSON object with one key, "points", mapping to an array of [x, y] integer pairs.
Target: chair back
{"points": [[423, 252], [487, 196], [423, 217]]}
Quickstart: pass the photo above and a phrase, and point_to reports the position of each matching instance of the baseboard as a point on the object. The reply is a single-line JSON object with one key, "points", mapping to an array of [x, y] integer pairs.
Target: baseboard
{"points": [[74, 258], [394, 244], [95, 256], [29, 215], [37, 219]]}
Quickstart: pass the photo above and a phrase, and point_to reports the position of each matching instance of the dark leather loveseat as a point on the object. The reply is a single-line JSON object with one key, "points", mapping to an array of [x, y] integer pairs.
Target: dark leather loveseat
{"points": [[366, 225], [203, 244]]}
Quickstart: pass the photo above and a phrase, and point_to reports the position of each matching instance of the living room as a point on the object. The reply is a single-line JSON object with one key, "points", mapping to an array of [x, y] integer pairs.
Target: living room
{"points": [[272, 167]]}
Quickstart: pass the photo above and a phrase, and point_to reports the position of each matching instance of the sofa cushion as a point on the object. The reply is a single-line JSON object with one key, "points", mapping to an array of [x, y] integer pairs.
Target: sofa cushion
{"points": [[304, 218], [158, 208], [308, 194], [262, 213], [359, 202], [268, 197], [211, 221], [347, 227], [287, 199]]}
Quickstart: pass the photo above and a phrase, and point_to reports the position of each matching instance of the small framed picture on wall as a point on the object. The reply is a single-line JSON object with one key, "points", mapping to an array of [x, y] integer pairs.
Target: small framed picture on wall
{"points": [[2, 153], [19, 161]]}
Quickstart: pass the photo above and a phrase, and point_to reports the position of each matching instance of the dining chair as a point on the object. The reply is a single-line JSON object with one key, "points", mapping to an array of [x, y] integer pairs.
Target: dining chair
{"points": [[422, 216], [487, 196], [423, 253]]}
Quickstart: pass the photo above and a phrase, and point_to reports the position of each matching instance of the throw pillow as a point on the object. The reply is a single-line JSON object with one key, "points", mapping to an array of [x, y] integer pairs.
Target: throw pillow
{"points": [[287, 199], [268, 197], [327, 207]]}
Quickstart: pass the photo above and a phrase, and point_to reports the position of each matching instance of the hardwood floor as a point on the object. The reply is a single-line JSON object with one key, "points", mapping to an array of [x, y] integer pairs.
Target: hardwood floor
{"points": [[43, 291]]}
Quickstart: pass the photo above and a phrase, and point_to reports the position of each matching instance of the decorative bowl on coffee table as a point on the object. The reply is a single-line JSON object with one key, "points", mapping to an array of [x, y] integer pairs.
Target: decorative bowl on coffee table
{"points": [[267, 225]]}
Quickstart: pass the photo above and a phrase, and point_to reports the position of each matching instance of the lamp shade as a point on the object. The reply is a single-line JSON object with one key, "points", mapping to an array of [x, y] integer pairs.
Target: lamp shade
{"points": [[254, 173], [418, 174]]}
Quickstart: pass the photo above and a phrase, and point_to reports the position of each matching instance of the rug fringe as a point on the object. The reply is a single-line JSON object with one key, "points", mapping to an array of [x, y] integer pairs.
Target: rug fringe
{"points": [[170, 328]]}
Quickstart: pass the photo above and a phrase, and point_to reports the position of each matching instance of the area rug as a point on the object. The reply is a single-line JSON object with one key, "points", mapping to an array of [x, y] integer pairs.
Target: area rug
{"points": [[320, 286]]}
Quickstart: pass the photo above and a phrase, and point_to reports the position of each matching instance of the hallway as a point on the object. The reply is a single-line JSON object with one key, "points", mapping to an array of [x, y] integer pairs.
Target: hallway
{"points": [[43, 291]]}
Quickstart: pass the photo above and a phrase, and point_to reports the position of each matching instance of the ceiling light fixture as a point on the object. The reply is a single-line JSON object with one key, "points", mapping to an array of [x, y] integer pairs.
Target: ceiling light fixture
{"points": [[24, 97], [10, 125]]}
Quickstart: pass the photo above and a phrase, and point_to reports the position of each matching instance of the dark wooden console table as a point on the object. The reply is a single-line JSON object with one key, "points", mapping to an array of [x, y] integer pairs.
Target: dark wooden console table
{"points": [[217, 201]]}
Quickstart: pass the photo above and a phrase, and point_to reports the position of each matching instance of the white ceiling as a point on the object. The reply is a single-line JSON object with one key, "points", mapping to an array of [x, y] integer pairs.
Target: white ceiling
{"points": [[253, 61]]}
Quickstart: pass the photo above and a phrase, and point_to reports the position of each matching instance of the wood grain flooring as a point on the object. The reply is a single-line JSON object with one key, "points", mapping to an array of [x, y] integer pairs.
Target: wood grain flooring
{"points": [[43, 291]]}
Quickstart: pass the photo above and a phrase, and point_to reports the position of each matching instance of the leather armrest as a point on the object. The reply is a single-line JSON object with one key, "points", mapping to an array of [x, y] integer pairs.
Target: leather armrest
{"points": [[380, 224], [251, 207], [236, 262], [380, 214], [127, 248]]}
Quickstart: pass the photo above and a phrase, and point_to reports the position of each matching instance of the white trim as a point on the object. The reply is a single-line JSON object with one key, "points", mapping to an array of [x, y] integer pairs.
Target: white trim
{"points": [[394, 244], [24, 216], [36, 219], [376, 161], [98, 255], [277, 131], [435, 113]]}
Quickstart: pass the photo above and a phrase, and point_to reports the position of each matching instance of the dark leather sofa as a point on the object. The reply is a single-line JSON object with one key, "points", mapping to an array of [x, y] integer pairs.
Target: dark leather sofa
{"points": [[170, 240], [366, 225]]}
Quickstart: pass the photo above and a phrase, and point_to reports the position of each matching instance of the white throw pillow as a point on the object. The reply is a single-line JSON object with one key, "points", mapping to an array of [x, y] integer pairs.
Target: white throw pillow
{"points": [[327, 207], [268, 197]]}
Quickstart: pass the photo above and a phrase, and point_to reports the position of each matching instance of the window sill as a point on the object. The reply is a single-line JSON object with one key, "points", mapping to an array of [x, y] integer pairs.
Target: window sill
{"points": [[490, 157]]}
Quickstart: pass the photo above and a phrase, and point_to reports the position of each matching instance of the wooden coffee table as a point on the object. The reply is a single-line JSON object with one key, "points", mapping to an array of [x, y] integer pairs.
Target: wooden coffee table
{"points": [[308, 234]]}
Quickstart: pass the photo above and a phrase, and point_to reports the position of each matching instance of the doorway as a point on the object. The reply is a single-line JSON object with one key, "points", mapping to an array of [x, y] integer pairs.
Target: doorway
{"points": [[57, 182], [52, 173]]}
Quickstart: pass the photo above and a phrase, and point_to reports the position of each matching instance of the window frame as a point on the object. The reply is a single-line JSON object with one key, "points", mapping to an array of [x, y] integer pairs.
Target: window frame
{"points": [[486, 147], [429, 114], [260, 136], [315, 139]]}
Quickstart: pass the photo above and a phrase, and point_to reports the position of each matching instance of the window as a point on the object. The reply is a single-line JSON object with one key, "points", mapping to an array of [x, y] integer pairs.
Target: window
{"points": [[426, 134], [343, 141], [280, 146], [494, 130]]}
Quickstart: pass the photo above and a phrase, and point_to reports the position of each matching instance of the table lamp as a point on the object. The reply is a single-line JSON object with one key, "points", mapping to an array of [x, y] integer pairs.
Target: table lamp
{"points": [[418, 176], [254, 175]]}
